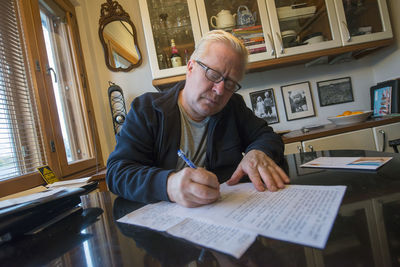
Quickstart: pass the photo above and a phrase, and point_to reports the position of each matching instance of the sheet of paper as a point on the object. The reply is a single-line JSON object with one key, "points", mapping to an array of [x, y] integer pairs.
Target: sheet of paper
{"points": [[159, 216], [35, 196], [70, 183], [365, 163], [299, 214], [229, 240], [36, 189]]}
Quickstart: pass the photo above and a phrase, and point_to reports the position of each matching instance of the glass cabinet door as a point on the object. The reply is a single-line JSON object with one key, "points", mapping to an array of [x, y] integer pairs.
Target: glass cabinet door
{"points": [[167, 22], [303, 26], [246, 19], [363, 20]]}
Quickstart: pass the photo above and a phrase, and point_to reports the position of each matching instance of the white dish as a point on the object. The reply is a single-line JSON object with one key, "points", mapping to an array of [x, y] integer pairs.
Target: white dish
{"points": [[288, 12], [288, 33], [288, 36], [315, 39], [349, 119]]}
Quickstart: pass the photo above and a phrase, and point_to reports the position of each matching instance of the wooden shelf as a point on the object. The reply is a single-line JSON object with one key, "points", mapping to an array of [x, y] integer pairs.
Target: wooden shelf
{"points": [[332, 129], [358, 49]]}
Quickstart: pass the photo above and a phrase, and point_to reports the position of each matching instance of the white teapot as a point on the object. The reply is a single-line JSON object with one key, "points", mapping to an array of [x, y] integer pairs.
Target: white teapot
{"points": [[223, 20]]}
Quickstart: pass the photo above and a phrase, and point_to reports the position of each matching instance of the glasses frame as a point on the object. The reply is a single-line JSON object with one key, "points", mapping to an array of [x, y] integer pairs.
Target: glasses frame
{"points": [[222, 78]]}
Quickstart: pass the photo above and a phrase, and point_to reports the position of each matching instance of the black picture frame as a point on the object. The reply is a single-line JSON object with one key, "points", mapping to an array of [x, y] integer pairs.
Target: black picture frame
{"points": [[335, 91], [298, 101], [264, 105], [392, 86]]}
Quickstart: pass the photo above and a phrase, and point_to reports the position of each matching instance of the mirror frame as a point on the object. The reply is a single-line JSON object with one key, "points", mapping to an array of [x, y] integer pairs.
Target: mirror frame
{"points": [[113, 11]]}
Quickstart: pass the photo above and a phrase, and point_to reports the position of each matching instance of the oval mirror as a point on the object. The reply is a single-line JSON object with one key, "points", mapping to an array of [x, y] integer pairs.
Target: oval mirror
{"points": [[117, 34]]}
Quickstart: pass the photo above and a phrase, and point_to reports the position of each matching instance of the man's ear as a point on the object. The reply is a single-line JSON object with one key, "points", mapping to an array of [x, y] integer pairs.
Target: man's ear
{"points": [[189, 66]]}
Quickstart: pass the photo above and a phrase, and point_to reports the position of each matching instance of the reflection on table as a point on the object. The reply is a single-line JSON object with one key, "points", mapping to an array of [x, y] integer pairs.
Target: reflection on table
{"points": [[366, 231]]}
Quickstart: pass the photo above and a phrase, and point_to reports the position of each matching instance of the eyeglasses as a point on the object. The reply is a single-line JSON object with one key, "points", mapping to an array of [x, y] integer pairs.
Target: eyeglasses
{"points": [[216, 77]]}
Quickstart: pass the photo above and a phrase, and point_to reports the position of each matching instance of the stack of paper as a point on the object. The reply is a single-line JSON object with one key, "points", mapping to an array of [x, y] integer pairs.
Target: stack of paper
{"points": [[298, 213], [74, 183], [366, 163]]}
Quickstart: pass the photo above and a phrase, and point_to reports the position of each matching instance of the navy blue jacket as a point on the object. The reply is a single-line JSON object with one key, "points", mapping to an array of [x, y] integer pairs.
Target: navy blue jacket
{"points": [[146, 150]]}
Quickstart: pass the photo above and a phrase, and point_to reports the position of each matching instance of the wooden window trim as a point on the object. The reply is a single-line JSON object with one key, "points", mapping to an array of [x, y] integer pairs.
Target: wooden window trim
{"points": [[30, 16]]}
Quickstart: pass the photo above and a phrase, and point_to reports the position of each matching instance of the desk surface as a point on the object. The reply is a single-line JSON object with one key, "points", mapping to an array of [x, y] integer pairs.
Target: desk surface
{"points": [[366, 231]]}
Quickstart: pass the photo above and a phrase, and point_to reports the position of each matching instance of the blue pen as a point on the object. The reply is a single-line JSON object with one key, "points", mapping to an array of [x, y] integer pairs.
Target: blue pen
{"points": [[191, 165], [188, 161]]}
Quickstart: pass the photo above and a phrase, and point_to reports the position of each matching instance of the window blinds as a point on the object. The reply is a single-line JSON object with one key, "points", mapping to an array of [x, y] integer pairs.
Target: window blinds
{"points": [[21, 146]]}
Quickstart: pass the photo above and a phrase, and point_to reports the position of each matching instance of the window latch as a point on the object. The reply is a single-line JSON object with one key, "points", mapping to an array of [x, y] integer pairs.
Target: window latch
{"points": [[52, 146], [49, 70]]}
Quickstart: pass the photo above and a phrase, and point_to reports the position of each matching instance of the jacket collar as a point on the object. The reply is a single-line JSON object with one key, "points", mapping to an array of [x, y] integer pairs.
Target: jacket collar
{"points": [[169, 98]]}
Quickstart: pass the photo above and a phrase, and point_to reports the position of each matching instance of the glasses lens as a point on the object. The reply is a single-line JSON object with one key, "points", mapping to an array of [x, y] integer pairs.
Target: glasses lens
{"points": [[216, 77], [230, 85], [213, 75]]}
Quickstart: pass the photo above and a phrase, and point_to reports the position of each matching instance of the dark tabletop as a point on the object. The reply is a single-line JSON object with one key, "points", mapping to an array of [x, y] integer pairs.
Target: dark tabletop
{"points": [[366, 231]]}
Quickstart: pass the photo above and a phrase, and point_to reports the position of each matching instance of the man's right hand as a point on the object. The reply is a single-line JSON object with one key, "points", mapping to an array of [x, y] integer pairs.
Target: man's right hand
{"points": [[193, 187]]}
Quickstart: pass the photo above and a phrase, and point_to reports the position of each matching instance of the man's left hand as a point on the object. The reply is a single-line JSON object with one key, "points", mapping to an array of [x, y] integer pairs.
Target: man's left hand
{"points": [[262, 171]]}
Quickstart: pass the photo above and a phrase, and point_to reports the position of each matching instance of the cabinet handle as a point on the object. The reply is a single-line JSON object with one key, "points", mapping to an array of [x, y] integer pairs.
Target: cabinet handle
{"points": [[280, 42], [382, 132], [311, 148], [299, 149], [347, 31], [271, 44]]}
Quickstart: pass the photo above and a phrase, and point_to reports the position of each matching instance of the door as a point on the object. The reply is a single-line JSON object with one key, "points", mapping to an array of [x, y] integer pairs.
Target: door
{"points": [[246, 19], [384, 134], [164, 21], [305, 27], [308, 26], [363, 20]]}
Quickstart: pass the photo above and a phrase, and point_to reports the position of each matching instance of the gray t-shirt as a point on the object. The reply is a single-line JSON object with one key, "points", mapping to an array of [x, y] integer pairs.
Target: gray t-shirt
{"points": [[193, 140]]}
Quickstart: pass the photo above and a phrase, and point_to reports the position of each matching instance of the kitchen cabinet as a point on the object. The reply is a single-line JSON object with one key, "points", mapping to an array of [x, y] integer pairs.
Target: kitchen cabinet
{"points": [[367, 135], [164, 20], [363, 21], [313, 24], [293, 148], [285, 27], [256, 36], [276, 32], [385, 133], [361, 139]]}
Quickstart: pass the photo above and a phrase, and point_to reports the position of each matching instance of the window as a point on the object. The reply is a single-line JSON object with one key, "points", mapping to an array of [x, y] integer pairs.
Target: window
{"points": [[20, 136], [45, 107]]}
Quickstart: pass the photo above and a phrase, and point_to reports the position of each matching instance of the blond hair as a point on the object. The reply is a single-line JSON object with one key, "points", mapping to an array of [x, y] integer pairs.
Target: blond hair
{"points": [[221, 36]]}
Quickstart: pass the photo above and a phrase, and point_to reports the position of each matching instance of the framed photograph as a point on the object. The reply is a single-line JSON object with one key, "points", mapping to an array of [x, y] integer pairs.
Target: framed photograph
{"points": [[298, 101], [385, 98], [336, 91], [264, 105]]}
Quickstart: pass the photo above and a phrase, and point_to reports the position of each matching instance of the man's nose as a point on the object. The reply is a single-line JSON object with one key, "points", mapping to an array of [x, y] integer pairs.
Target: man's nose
{"points": [[219, 88]]}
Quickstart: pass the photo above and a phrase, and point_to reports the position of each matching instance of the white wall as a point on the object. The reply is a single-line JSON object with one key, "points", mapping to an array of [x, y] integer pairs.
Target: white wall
{"points": [[386, 63], [364, 73], [360, 73], [133, 83]]}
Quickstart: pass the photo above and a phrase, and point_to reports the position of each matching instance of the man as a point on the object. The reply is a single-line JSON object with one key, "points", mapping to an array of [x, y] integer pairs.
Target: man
{"points": [[268, 103], [298, 101], [206, 120]]}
